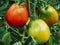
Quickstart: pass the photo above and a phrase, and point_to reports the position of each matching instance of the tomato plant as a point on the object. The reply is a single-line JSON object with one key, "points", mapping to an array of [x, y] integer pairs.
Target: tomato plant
{"points": [[22, 22]]}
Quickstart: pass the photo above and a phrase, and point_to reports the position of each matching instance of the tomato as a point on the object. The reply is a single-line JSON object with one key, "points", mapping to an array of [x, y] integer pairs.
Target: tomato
{"points": [[49, 15], [39, 29], [17, 15]]}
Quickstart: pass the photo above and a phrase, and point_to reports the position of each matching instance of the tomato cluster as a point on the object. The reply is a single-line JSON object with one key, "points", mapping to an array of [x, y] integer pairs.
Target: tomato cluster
{"points": [[17, 15]]}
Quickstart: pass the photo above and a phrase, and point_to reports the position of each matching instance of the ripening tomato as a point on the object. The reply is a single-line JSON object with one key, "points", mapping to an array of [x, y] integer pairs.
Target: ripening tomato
{"points": [[39, 29], [49, 15], [17, 15]]}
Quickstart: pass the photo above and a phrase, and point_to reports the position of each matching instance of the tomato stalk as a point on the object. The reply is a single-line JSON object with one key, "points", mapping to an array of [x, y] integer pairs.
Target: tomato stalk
{"points": [[18, 1], [7, 27], [42, 3], [29, 7], [34, 40], [32, 10], [35, 3], [18, 32]]}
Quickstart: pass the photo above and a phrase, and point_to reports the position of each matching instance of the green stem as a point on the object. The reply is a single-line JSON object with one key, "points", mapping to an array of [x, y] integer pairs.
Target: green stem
{"points": [[34, 40], [29, 7], [43, 1], [16, 31], [18, 1], [56, 3], [35, 7], [12, 29], [23, 35], [7, 27]]}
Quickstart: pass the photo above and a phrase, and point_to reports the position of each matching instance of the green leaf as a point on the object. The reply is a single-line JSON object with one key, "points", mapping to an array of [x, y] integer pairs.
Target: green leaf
{"points": [[2, 31], [50, 42], [38, 40], [17, 43], [58, 34], [6, 39], [1, 43], [4, 5], [2, 13]]}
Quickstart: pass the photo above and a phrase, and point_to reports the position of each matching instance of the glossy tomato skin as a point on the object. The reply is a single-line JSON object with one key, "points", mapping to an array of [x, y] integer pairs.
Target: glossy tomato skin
{"points": [[39, 29], [49, 15], [17, 15]]}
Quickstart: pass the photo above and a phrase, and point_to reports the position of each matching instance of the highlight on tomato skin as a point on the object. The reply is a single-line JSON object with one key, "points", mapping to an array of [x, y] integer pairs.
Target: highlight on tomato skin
{"points": [[17, 15], [49, 15], [39, 29]]}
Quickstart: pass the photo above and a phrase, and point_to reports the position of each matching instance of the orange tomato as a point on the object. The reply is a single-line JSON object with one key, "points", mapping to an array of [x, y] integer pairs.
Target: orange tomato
{"points": [[49, 15]]}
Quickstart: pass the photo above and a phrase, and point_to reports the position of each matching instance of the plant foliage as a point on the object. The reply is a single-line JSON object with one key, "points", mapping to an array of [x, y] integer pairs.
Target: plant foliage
{"points": [[18, 36]]}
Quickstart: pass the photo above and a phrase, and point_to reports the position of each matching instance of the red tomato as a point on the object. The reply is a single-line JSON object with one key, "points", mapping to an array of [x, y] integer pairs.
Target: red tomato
{"points": [[17, 15]]}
